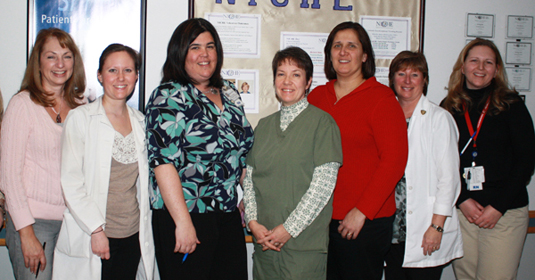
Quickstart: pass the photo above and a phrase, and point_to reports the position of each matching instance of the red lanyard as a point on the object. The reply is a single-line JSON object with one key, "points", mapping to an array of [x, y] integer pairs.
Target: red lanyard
{"points": [[481, 117]]}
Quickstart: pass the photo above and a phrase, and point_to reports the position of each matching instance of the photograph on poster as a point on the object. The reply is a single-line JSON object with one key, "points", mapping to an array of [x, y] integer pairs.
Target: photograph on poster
{"points": [[239, 33], [389, 35], [246, 82], [93, 24], [520, 27], [518, 53], [480, 25], [519, 78]]}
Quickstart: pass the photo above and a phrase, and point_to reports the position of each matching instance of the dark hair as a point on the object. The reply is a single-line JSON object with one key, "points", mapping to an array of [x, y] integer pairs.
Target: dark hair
{"points": [[501, 96], [368, 67], [74, 87], [113, 48], [296, 55], [409, 60], [174, 68]]}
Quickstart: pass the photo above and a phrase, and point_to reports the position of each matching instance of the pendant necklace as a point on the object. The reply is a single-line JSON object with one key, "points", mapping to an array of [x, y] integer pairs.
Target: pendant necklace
{"points": [[58, 116], [210, 90]]}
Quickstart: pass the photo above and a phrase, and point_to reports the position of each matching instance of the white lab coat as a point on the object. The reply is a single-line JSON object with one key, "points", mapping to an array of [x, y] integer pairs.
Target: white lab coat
{"points": [[433, 184], [87, 143]]}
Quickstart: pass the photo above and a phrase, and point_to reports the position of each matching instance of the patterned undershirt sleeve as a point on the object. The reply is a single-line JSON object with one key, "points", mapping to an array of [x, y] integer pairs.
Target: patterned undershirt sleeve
{"points": [[315, 198], [249, 197]]}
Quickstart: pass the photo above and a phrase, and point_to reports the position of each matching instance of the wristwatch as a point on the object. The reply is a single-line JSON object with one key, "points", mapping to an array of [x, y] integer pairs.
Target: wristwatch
{"points": [[438, 228]]}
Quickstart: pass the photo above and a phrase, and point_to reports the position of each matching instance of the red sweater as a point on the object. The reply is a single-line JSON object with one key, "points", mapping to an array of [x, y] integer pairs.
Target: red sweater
{"points": [[374, 145]]}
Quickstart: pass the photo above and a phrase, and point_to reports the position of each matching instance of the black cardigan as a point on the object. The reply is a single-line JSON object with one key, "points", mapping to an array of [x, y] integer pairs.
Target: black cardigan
{"points": [[506, 149]]}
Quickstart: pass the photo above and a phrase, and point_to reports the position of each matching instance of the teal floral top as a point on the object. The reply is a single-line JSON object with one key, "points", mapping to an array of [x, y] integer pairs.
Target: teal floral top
{"points": [[207, 146]]}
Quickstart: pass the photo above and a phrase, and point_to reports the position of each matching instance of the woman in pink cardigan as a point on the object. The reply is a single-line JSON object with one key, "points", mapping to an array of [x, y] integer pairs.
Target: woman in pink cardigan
{"points": [[53, 84]]}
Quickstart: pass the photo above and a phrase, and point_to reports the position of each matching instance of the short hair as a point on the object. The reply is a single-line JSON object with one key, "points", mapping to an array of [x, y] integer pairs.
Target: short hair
{"points": [[295, 55], [409, 60], [244, 84], [113, 48], [368, 67], [74, 87], [501, 97], [174, 68]]}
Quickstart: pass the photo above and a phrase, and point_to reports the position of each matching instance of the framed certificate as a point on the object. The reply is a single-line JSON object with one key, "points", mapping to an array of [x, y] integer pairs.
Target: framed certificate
{"points": [[94, 24], [480, 25], [518, 53], [519, 78], [520, 27]]}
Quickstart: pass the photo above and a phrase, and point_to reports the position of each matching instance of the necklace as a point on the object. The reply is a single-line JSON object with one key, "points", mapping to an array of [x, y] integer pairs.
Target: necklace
{"points": [[210, 90], [58, 116]]}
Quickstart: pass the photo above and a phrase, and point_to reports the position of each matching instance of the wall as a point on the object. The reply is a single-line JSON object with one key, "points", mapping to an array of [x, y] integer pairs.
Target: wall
{"points": [[444, 38]]}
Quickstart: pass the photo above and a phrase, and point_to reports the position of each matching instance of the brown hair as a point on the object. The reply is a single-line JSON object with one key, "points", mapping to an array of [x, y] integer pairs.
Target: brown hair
{"points": [[409, 60], [75, 85], [500, 95], [368, 67]]}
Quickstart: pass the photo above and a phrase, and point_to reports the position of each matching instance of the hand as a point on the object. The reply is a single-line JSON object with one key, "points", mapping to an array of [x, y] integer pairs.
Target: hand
{"points": [[278, 237], [351, 225], [32, 249], [471, 209], [186, 238], [489, 218], [100, 244], [260, 232], [431, 241], [241, 207]]}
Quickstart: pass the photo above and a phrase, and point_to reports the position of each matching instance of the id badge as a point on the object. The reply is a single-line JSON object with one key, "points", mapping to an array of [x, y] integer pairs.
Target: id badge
{"points": [[474, 177]]}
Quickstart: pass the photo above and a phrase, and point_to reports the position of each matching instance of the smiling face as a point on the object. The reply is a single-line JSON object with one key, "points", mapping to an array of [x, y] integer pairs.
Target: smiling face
{"points": [[347, 54], [409, 84], [290, 83], [479, 67], [55, 64], [201, 59], [118, 76]]}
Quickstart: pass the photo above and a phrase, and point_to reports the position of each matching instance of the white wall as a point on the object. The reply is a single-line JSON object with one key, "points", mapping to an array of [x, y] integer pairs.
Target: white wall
{"points": [[444, 38]]}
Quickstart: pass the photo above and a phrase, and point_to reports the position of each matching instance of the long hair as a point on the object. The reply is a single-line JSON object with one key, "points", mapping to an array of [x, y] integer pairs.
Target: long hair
{"points": [[410, 60], [174, 68], [368, 67], [459, 101], [74, 87]]}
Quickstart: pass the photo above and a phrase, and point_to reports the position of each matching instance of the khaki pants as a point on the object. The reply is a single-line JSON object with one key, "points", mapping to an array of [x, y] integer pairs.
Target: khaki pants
{"points": [[492, 253]]}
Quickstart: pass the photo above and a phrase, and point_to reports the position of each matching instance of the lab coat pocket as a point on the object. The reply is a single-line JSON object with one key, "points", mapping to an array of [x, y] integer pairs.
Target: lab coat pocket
{"points": [[72, 240]]}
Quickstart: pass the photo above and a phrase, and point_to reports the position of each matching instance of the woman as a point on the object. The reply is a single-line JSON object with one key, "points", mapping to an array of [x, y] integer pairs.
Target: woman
{"points": [[291, 173], [374, 143], [198, 138], [245, 88], [429, 237], [106, 229], [497, 146], [53, 84]]}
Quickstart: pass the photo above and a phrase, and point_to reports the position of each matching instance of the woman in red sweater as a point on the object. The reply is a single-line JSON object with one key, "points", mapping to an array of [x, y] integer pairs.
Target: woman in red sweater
{"points": [[374, 144]]}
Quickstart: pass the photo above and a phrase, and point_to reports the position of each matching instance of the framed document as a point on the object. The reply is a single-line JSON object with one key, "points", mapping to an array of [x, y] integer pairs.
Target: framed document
{"points": [[480, 25], [520, 27], [518, 53], [94, 24], [519, 78]]}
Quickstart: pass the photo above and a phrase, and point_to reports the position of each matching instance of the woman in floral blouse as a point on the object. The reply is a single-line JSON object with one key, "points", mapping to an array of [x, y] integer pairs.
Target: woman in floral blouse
{"points": [[198, 138]]}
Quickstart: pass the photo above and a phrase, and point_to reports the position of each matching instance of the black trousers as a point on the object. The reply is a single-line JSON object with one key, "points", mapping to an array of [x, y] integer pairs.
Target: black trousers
{"points": [[394, 271], [363, 257], [124, 259], [221, 255]]}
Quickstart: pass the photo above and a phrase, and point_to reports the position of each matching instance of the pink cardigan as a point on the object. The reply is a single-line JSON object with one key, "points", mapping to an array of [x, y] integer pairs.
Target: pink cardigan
{"points": [[30, 162]]}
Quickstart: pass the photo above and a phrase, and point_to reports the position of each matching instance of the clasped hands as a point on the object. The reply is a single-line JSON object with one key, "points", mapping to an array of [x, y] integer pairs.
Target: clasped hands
{"points": [[475, 213], [272, 239]]}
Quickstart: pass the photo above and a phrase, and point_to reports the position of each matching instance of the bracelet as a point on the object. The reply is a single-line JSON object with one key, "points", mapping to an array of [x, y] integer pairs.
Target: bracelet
{"points": [[95, 232]]}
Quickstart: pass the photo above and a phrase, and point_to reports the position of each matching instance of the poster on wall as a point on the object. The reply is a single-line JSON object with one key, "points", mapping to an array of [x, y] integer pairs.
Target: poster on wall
{"points": [[389, 35], [93, 24]]}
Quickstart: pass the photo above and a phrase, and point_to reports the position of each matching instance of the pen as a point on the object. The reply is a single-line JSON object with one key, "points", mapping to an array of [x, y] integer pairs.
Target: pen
{"points": [[185, 256], [469, 141], [39, 265]]}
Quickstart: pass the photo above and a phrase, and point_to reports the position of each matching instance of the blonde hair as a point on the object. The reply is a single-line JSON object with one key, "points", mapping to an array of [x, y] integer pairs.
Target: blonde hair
{"points": [[459, 101]]}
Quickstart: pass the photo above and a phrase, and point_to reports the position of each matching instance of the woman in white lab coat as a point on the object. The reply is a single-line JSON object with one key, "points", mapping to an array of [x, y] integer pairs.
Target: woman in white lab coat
{"points": [[426, 229]]}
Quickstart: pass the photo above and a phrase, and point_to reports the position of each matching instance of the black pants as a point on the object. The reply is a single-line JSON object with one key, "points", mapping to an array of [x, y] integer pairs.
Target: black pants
{"points": [[221, 254], [394, 271], [363, 257], [124, 259]]}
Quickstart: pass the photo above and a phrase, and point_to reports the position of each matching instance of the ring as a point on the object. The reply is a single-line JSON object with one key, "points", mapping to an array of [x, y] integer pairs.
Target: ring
{"points": [[349, 234]]}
